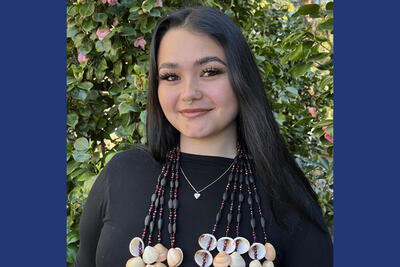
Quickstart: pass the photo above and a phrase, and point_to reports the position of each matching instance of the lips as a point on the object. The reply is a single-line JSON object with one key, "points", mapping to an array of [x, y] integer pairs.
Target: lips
{"points": [[193, 113]]}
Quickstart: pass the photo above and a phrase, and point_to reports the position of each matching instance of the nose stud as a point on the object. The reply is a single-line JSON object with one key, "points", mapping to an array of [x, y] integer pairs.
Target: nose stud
{"points": [[189, 102]]}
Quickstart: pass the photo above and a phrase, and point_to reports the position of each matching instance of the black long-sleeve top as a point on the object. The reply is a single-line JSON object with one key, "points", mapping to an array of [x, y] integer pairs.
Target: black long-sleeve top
{"points": [[120, 198]]}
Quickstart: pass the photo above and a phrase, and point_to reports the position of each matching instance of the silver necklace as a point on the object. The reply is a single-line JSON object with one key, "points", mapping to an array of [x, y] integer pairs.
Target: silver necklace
{"points": [[197, 192]]}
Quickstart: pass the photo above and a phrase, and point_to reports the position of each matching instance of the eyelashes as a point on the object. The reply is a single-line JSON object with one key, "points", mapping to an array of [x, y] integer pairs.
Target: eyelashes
{"points": [[208, 72]]}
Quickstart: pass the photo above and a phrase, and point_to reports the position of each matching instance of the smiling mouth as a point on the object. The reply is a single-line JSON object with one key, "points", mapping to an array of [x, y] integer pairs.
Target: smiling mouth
{"points": [[193, 113]]}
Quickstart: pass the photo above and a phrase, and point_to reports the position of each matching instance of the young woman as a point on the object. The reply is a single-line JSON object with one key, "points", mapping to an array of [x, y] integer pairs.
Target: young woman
{"points": [[216, 184]]}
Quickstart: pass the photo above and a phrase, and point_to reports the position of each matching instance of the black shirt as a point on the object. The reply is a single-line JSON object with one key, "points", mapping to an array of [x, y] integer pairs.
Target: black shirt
{"points": [[120, 198]]}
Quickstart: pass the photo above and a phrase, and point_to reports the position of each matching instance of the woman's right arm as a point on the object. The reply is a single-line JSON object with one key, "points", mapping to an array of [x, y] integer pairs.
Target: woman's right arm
{"points": [[91, 221]]}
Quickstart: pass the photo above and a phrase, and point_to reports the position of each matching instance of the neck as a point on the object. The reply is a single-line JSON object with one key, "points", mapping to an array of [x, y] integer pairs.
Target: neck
{"points": [[211, 146]]}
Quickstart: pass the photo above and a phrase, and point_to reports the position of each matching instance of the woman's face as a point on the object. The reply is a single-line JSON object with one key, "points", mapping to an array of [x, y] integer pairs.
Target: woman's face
{"points": [[194, 89]]}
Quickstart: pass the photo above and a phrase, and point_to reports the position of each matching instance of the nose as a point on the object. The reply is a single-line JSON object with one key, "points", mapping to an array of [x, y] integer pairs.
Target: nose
{"points": [[190, 90]]}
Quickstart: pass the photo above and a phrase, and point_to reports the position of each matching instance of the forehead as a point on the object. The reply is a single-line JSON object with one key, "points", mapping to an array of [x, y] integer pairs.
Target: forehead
{"points": [[185, 47]]}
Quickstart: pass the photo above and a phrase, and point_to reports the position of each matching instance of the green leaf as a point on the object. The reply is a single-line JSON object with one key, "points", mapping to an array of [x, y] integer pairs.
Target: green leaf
{"points": [[71, 166], [285, 59], [89, 25], [148, 4], [71, 32], [117, 69], [329, 6], [71, 254], [70, 80], [80, 156], [311, 9], [109, 156], [326, 81], [86, 9], [72, 119], [99, 46], [134, 15], [103, 65], [81, 144], [155, 13], [86, 85], [137, 69], [79, 94], [86, 176], [107, 45], [327, 25], [300, 69], [72, 237], [127, 31], [124, 108], [296, 54], [292, 90], [100, 17], [143, 116], [318, 57]]}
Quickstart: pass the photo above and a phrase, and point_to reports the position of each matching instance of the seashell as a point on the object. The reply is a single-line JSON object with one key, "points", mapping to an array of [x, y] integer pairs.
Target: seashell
{"points": [[222, 260], [135, 262], [136, 246], [260, 248], [159, 264], [174, 257], [270, 252], [242, 244], [230, 244], [206, 240], [162, 252], [199, 257], [237, 260], [150, 255], [268, 264], [255, 263]]}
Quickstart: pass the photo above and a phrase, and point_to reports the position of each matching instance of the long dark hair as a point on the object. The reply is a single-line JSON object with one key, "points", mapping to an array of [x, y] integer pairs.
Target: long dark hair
{"points": [[286, 185]]}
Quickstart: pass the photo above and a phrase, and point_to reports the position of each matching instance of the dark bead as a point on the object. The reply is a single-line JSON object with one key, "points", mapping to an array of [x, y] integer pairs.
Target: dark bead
{"points": [[250, 201], [218, 217], [230, 177], [162, 199], [160, 224], [170, 204], [253, 222], [257, 198], [229, 218], [246, 180], [176, 203], [241, 178], [163, 182], [151, 226], [262, 222], [170, 228], [174, 227], [176, 183], [156, 203], [225, 196], [232, 196], [238, 217], [171, 184], [251, 179], [153, 197], [241, 197], [147, 220]]}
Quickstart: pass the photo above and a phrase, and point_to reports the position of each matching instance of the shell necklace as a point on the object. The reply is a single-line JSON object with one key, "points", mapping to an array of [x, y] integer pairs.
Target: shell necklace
{"points": [[230, 250]]}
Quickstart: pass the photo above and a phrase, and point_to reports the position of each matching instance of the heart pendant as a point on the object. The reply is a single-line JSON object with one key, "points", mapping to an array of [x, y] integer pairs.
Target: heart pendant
{"points": [[196, 195]]}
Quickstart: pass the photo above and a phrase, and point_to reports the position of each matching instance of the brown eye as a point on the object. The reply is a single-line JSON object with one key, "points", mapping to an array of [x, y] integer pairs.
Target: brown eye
{"points": [[211, 72], [170, 77]]}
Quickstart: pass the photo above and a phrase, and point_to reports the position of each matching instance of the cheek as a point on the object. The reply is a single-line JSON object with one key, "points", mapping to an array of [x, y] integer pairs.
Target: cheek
{"points": [[167, 99]]}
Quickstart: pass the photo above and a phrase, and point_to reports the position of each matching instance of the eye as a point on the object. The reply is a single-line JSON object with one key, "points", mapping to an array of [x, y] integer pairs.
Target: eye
{"points": [[209, 72], [170, 77]]}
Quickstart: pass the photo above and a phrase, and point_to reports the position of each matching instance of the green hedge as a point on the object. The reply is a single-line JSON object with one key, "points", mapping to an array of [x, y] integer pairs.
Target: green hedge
{"points": [[107, 57]]}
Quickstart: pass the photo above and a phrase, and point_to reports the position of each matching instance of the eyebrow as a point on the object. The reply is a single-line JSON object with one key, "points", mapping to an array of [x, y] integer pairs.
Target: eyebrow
{"points": [[198, 62]]}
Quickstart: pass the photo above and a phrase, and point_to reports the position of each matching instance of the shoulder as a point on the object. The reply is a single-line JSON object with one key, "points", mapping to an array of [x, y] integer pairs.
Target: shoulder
{"points": [[137, 155]]}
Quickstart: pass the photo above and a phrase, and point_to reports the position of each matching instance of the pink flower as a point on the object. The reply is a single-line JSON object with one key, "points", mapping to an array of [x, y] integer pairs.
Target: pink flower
{"points": [[313, 111], [102, 33], [115, 23], [140, 42], [111, 2], [326, 135], [159, 3], [139, 82], [104, 1], [82, 58]]}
